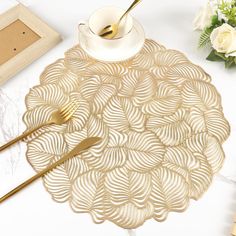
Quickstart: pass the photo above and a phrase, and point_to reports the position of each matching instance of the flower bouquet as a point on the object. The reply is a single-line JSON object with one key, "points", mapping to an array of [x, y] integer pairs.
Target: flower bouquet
{"points": [[217, 23]]}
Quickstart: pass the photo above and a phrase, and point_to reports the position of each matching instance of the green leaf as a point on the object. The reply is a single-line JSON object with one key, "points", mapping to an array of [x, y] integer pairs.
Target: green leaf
{"points": [[230, 62], [217, 56], [205, 38], [214, 57], [221, 55], [215, 21]]}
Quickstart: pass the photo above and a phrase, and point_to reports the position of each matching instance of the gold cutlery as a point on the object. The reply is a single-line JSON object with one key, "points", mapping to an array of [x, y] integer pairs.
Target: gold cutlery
{"points": [[58, 117], [110, 31], [85, 144]]}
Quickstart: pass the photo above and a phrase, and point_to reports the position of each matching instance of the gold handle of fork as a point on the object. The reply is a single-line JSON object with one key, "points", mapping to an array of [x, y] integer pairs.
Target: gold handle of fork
{"points": [[22, 136], [134, 4]]}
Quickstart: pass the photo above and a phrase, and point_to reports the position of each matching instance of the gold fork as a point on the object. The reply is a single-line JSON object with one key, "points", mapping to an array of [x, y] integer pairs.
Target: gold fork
{"points": [[58, 117]]}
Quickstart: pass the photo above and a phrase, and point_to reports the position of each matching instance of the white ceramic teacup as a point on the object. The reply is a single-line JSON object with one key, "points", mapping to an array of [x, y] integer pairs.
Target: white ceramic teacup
{"points": [[126, 44]]}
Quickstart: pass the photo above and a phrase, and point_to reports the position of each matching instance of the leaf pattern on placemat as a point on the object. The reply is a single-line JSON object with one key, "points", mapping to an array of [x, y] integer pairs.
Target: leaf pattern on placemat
{"points": [[45, 150], [172, 130], [138, 86], [136, 187], [162, 127], [88, 193], [49, 94], [169, 193], [181, 160], [114, 155], [120, 114], [59, 181], [180, 73], [200, 94], [144, 151], [209, 146], [145, 59], [211, 121], [97, 93], [77, 60], [108, 73], [59, 74], [129, 214], [164, 60], [165, 102], [201, 178]]}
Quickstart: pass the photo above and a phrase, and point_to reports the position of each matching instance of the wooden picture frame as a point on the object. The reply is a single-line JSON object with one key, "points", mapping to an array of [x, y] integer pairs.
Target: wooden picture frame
{"points": [[34, 38]]}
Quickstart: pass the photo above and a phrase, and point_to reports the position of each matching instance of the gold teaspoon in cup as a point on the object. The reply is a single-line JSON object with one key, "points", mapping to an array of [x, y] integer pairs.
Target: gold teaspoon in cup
{"points": [[110, 31]]}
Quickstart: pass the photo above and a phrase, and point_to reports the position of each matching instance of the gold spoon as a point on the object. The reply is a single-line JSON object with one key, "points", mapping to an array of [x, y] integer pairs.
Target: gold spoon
{"points": [[110, 31]]}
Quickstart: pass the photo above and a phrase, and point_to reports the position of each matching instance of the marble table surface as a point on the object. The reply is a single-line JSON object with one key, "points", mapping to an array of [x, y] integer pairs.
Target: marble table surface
{"points": [[33, 211]]}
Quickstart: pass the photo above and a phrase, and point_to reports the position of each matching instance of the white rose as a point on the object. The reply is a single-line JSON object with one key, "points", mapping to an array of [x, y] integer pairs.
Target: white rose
{"points": [[223, 39], [203, 18]]}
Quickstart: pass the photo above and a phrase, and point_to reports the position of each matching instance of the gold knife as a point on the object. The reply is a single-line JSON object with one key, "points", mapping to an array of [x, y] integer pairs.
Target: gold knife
{"points": [[85, 144]]}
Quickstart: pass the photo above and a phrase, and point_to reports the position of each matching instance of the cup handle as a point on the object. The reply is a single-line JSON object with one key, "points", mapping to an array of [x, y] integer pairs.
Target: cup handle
{"points": [[82, 29]]}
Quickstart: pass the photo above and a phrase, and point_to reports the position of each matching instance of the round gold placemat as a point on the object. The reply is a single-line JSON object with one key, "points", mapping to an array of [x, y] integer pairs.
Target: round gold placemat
{"points": [[162, 126]]}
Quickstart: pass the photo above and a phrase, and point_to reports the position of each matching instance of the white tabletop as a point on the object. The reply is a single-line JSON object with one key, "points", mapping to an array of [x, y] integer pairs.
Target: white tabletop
{"points": [[33, 212]]}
